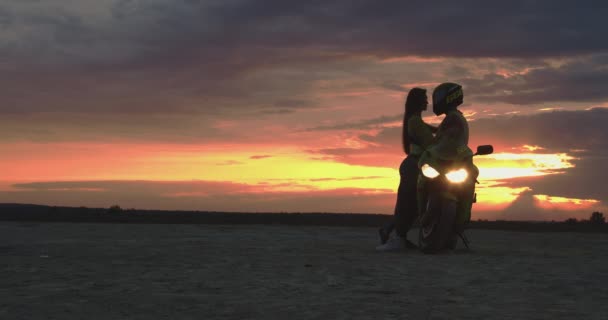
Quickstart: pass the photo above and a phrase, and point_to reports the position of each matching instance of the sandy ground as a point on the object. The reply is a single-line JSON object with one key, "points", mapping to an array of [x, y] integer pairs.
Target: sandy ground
{"points": [[114, 271]]}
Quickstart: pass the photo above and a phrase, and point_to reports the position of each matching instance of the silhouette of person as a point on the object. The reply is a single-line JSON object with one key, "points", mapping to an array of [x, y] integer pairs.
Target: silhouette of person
{"points": [[452, 139], [451, 143], [416, 136]]}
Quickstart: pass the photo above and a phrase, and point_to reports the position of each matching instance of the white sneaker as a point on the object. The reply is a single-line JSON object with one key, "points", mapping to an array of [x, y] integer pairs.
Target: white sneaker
{"points": [[394, 243]]}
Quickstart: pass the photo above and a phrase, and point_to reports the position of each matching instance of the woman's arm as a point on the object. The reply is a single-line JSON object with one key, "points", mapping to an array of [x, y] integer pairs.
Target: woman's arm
{"points": [[432, 128]]}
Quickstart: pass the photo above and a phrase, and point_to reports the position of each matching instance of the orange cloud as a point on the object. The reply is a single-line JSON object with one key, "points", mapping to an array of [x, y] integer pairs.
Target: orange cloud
{"points": [[70, 162], [532, 148], [262, 156], [561, 203], [516, 165], [280, 170], [493, 196]]}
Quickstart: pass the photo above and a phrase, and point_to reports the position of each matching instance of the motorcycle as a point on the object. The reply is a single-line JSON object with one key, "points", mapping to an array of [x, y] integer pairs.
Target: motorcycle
{"points": [[446, 193]]}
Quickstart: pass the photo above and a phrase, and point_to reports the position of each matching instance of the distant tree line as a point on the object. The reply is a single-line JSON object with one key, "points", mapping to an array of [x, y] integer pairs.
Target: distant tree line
{"points": [[116, 214], [596, 219]]}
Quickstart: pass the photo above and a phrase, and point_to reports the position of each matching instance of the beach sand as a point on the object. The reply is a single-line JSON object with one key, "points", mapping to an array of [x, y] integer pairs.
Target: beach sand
{"points": [[139, 271]]}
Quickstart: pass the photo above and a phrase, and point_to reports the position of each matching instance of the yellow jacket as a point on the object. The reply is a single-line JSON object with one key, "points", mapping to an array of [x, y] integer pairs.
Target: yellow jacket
{"points": [[452, 139]]}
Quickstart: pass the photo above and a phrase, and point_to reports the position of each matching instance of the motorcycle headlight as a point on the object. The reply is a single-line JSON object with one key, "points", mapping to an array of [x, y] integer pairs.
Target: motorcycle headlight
{"points": [[457, 176], [429, 171]]}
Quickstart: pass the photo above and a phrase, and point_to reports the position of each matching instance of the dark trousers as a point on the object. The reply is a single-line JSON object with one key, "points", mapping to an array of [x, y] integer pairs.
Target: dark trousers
{"points": [[406, 208]]}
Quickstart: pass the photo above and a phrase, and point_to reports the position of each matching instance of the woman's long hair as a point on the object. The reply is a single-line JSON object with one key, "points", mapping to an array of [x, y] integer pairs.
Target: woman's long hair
{"points": [[414, 103]]}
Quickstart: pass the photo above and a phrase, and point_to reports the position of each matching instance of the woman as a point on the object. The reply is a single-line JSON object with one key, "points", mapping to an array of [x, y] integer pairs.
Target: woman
{"points": [[416, 136]]}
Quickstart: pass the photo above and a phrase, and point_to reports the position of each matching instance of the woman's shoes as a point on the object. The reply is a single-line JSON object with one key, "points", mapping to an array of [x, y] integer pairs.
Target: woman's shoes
{"points": [[396, 243], [383, 235]]}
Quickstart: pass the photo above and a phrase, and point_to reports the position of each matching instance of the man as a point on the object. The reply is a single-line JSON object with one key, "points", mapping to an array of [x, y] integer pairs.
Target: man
{"points": [[451, 142], [452, 139]]}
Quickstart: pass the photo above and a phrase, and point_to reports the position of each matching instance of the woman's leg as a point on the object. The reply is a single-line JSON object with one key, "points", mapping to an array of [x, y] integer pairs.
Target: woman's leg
{"points": [[387, 228], [406, 208], [385, 231]]}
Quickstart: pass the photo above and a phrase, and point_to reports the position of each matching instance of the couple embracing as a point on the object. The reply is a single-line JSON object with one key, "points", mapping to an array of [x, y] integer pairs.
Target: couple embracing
{"points": [[445, 142]]}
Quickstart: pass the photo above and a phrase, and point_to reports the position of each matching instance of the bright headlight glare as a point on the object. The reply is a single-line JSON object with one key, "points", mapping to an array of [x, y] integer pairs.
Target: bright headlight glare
{"points": [[457, 176], [429, 171]]}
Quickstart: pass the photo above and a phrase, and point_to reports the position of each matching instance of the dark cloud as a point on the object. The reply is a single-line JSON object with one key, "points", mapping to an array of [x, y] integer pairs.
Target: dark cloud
{"points": [[557, 131], [580, 80], [66, 127], [262, 156], [526, 208], [6, 18], [294, 103], [394, 86], [393, 28], [581, 134], [360, 125], [386, 136], [156, 28], [179, 56], [587, 180], [382, 148]]}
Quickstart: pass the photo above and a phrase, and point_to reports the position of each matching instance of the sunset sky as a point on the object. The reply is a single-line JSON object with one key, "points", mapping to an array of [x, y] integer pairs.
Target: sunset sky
{"points": [[296, 106]]}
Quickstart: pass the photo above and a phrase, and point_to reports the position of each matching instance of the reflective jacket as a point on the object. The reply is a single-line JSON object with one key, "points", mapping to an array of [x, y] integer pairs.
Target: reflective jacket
{"points": [[452, 139]]}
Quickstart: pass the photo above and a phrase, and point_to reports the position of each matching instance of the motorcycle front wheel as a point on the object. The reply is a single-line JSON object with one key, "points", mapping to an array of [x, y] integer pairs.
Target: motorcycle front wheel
{"points": [[437, 228]]}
